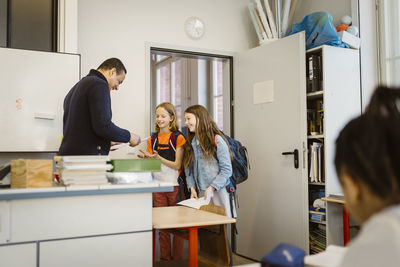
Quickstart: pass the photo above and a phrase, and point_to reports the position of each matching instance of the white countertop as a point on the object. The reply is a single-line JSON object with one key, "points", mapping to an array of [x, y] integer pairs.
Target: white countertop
{"points": [[62, 191]]}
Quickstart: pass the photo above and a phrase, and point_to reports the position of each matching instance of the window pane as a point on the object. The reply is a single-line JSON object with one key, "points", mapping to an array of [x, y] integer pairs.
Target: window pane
{"points": [[218, 109], [31, 24], [179, 116], [178, 83], [219, 81], [165, 84], [3, 23], [218, 94], [177, 101]]}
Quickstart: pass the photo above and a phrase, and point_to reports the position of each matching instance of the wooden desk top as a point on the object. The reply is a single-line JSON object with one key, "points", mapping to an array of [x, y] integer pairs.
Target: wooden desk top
{"points": [[336, 199], [181, 216]]}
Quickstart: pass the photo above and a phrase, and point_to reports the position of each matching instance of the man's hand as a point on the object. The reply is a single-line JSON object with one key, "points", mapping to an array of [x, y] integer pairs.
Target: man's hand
{"points": [[135, 140]]}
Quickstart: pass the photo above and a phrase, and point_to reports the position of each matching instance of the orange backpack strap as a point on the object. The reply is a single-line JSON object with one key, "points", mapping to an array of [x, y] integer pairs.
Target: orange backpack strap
{"points": [[215, 140]]}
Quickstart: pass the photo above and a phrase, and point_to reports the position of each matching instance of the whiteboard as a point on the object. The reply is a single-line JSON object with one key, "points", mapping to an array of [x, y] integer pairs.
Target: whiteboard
{"points": [[33, 85]]}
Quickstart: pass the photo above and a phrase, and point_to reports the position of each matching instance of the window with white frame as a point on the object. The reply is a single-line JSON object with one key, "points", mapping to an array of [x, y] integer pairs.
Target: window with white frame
{"points": [[186, 80], [389, 11]]}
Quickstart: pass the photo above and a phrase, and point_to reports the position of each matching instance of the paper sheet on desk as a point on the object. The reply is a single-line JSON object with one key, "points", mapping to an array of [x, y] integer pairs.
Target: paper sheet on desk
{"points": [[196, 203], [114, 147], [331, 257]]}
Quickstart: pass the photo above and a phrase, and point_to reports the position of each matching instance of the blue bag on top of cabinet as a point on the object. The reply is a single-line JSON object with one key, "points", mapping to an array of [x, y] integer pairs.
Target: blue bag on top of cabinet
{"points": [[319, 30]]}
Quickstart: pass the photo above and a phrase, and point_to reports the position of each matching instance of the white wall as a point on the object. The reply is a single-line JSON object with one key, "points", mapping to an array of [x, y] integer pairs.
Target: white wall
{"points": [[337, 8], [121, 29], [369, 49]]}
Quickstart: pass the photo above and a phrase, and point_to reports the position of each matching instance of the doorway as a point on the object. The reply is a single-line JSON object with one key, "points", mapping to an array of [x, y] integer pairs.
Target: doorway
{"points": [[187, 78]]}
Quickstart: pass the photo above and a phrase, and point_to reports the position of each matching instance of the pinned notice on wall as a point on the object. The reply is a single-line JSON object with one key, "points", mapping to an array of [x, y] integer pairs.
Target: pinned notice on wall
{"points": [[263, 92]]}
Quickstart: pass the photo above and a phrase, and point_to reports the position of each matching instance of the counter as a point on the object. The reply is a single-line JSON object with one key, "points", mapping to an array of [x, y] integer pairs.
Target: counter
{"points": [[105, 225]]}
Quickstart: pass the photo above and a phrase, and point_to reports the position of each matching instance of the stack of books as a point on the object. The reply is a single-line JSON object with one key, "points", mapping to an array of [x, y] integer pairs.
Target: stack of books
{"points": [[318, 239], [82, 170]]}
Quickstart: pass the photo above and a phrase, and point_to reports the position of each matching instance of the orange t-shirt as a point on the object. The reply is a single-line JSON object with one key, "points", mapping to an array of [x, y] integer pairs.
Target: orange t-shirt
{"points": [[163, 139]]}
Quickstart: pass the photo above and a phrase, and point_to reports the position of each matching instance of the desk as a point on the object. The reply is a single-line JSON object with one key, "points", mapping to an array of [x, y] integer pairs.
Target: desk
{"points": [[346, 224], [186, 218]]}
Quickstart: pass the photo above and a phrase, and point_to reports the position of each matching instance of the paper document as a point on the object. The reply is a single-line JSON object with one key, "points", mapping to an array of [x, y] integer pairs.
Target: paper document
{"points": [[114, 147], [196, 203], [331, 257]]}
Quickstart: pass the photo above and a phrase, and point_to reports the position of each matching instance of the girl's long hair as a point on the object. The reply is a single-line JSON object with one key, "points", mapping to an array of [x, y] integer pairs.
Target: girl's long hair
{"points": [[173, 126], [206, 130]]}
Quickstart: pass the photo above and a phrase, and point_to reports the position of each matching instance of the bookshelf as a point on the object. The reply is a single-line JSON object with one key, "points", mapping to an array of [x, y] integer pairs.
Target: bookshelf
{"points": [[333, 98]]}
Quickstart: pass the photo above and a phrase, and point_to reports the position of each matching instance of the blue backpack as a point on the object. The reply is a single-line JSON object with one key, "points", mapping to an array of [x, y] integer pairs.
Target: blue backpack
{"points": [[240, 163]]}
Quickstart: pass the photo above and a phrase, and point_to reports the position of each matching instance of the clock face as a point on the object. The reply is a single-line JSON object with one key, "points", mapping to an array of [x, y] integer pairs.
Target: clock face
{"points": [[194, 27]]}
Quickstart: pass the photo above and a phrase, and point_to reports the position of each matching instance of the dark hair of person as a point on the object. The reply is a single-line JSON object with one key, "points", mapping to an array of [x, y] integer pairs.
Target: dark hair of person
{"points": [[113, 63], [368, 147], [206, 129]]}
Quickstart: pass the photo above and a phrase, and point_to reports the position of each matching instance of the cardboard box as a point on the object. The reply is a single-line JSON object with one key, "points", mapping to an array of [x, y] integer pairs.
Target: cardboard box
{"points": [[31, 173], [351, 40]]}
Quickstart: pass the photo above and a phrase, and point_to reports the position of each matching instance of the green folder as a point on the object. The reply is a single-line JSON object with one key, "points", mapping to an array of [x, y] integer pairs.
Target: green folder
{"points": [[136, 165]]}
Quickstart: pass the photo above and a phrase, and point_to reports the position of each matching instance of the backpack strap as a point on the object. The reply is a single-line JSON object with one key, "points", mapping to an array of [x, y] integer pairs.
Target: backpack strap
{"points": [[215, 140], [154, 140], [173, 139]]}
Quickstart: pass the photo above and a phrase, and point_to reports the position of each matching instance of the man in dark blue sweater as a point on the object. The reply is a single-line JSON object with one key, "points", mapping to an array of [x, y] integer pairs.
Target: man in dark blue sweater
{"points": [[88, 129]]}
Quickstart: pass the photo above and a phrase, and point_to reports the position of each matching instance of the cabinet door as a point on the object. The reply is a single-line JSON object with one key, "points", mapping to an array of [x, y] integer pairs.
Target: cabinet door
{"points": [[273, 201], [18, 255], [122, 250]]}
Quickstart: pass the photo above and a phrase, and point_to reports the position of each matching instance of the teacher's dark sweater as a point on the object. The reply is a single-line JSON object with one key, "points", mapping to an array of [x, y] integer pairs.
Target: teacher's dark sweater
{"points": [[88, 129]]}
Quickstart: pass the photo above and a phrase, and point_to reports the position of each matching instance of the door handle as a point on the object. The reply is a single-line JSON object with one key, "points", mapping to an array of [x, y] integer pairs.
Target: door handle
{"points": [[295, 153]]}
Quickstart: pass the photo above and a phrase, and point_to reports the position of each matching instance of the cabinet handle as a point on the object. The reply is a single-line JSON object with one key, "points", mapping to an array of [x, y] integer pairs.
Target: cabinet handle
{"points": [[295, 153]]}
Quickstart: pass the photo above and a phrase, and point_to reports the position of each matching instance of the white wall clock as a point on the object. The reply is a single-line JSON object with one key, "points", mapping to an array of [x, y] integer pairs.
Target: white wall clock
{"points": [[194, 27]]}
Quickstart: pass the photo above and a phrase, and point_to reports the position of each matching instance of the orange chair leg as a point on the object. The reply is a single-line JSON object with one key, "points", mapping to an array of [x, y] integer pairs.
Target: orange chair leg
{"points": [[193, 259]]}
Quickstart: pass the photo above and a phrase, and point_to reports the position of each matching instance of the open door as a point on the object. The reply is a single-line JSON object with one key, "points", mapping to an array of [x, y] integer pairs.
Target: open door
{"points": [[270, 119]]}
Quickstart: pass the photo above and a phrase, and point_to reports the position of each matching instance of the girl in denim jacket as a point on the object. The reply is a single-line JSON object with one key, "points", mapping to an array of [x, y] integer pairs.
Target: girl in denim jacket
{"points": [[207, 158]]}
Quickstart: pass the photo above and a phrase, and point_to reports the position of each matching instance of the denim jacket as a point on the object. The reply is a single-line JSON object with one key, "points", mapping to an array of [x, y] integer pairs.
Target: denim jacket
{"points": [[214, 171]]}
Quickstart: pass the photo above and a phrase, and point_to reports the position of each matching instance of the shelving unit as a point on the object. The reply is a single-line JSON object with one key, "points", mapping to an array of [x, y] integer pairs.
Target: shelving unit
{"points": [[333, 98]]}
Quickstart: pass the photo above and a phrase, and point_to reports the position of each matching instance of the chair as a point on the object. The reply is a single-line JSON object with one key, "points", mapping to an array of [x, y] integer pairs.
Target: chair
{"points": [[214, 247]]}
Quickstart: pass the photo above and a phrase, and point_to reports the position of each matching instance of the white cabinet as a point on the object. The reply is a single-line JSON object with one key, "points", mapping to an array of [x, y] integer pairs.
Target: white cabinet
{"points": [[330, 105], [270, 118], [108, 225], [18, 255], [103, 251]]}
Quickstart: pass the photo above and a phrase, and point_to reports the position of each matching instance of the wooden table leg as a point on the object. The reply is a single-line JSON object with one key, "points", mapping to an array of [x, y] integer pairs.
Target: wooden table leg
{"points": [[346, 227], [193, 259]]}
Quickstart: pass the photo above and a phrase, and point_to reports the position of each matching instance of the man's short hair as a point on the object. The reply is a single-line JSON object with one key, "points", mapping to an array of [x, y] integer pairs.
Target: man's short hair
{"points": [[113, 63]]}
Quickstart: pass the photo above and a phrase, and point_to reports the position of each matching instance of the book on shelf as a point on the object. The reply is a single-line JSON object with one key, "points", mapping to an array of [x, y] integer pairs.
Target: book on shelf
{"points": [[316, 167], [317, 217], [314, 72]]}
